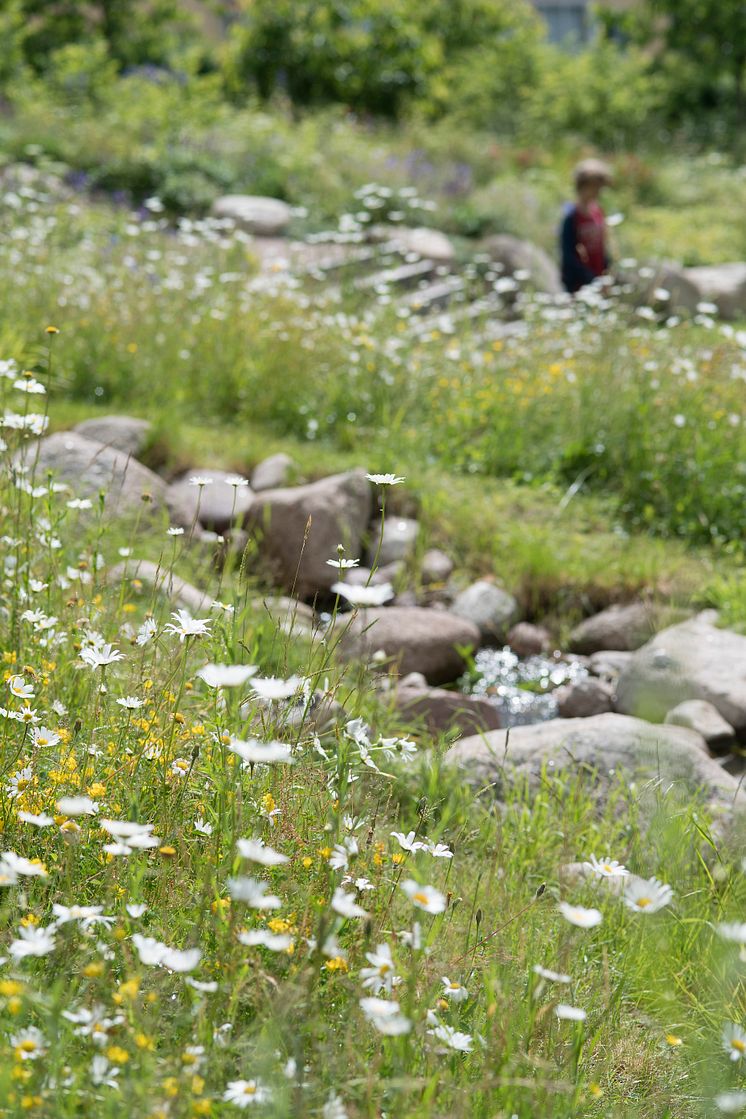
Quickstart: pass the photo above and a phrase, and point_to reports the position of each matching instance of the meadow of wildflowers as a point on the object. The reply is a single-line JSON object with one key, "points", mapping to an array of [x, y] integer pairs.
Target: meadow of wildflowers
{"points": [[210, 902], [214, 901]]}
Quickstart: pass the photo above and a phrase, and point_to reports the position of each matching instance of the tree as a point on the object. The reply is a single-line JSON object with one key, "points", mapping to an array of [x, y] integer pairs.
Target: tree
{"points": [[702, 49], [135, 32]]}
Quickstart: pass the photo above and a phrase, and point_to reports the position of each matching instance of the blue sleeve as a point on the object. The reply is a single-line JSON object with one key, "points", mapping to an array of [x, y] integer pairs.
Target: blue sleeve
{"points": [[574, 273]]}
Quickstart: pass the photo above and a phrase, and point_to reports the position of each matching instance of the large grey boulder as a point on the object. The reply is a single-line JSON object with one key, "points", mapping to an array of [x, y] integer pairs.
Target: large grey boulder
{"points": [[427, 243], [127, 434], [606, 749], [437, 567], [523, 256], [488, 607], [528, 640], [699, 715], [683, 294], [722, 284], [442, 711], [267, 217], [91, 468], [398, 541], [583, 698], [609, 664], [217, 505], [298, 528], [617, 627], [144, 576], [693, 660], [414, 638], [272, 472]]}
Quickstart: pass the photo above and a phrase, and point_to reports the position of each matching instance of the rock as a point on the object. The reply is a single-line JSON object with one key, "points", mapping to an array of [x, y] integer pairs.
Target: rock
{"points": [[523, 256], [693, 660], [722, 284], [527, 640], [583, 698], [488, 607], [413, 680], [427, 243], [414, 638], [124, 433], [605, 748], [398, 543], [217, 505], [441, 710], [141, 574], [699, 715], [618, 627], [90, 468], [437, 567], [683, 294], [272, 472], [298, 528], [609, 664], [267, 217], [363, 576]]}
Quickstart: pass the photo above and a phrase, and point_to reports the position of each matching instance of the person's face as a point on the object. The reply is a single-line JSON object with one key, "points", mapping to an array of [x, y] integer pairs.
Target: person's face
{"points": [[591, 188]]}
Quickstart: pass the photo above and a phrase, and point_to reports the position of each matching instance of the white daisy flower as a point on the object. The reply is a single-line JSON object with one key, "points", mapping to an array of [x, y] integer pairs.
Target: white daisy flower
{"points": [[254, 752], [734, 1041], [226, 675], [552, 976], [570, 1013], [243, 1093], [252, 892], [257, 851], [606, 868], [33, 941], [385, 479], [275, 942], [453, 1038], [456, 992], [646, 895], [372, 595], [186, 626], [386, 1016], [380, 975], [345, 904], [424, 897], [579, 916]]}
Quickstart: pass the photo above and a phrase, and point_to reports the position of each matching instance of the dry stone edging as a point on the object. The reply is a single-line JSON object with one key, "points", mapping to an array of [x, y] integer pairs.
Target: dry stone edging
{"points": [[414, 638], [692, 660], [298, 528], [606, 747]]}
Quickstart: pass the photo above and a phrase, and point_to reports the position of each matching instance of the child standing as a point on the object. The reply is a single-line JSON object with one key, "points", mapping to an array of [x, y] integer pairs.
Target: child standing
{"points": [[583, 248]]}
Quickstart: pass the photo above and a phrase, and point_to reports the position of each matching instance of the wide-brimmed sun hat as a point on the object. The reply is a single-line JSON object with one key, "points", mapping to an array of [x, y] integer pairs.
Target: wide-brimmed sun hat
{"points": [[589, 169]]}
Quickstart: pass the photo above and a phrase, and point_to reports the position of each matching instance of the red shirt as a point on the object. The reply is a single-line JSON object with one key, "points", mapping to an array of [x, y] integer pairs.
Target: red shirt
{"points": [[590, 233]]}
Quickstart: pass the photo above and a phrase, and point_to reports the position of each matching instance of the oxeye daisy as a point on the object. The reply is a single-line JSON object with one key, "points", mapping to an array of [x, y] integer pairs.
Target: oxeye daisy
{"points": [[734, 1041], [606, 868], [243, 1093], [579, 916], [646, 895], [424, 897]]}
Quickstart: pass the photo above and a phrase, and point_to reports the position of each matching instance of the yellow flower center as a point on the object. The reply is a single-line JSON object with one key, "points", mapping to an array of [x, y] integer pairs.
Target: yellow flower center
{"points": [[643, 903], [420, 897], [250, 1090], [738, 1045]]}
